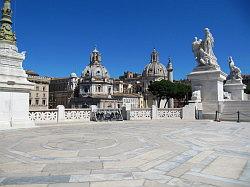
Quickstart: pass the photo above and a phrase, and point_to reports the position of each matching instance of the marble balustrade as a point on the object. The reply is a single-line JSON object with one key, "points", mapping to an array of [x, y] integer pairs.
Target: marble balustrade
{"points": [[61, 114]]}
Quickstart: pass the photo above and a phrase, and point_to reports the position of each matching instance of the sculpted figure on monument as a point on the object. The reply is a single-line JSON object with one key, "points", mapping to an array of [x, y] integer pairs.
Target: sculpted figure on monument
{"points": [[235, 73], [203, 50], [196, 45], [196, 95]]}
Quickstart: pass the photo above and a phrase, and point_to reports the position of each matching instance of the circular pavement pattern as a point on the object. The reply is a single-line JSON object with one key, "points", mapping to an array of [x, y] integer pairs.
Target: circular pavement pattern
{"points": [[129, 153]]}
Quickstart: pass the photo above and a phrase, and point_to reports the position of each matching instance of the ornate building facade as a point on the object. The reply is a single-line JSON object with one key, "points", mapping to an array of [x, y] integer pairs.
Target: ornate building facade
{"points": [[39, 96], [96, 87], [155, 71], [61, 90]]}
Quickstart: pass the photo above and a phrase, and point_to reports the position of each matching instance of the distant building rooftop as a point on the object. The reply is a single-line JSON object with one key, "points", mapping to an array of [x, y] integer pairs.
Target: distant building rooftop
{"points": [[31, 73]]}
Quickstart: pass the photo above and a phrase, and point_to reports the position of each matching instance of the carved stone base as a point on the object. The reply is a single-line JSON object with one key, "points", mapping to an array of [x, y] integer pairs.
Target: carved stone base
{"points": [[236, 89], [210, 84], [14, 109], [14, 89], [206, 68]]}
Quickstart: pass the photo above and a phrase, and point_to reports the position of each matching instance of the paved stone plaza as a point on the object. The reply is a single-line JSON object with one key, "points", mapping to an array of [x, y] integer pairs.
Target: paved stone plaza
{"points": [[115, 154]]}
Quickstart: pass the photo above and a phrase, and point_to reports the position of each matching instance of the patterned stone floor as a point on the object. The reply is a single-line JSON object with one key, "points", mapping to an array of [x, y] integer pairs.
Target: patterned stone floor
{"points": [[127, 154]]}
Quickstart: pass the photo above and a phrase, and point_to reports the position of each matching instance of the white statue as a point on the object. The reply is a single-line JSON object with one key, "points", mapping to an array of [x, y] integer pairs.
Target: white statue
{"points": [[203, 50], [227, 95], [235, 73], [208, 42], [196, 45], [196, 95]]}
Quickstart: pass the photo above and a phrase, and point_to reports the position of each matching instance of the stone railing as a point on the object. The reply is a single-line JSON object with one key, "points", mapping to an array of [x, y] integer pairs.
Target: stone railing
{"points": [[155, 113], [44, 116], [77, 114], [60, 115], [169, 113], [141, 114]]}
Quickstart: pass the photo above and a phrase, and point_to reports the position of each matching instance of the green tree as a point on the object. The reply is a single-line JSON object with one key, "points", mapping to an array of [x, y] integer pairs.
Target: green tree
{"points": [[166, 90], [162, 90], [247, 90], [182, 91]]}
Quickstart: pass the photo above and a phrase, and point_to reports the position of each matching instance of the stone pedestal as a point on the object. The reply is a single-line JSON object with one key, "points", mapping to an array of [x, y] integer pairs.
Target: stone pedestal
{"points": [[14, 88], [188, 111], [154, 112], [171, 103], [236, 89], [61, 113], [210, 84]]}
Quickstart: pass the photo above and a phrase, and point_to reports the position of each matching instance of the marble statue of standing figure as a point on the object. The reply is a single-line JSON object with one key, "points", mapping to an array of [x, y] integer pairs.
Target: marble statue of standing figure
{"points": [[203, 50], [208, 42]]}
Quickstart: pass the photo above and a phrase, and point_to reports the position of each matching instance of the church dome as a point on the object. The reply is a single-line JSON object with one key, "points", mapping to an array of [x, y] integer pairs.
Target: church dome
{"points": [[154, 68], [95, 69]]}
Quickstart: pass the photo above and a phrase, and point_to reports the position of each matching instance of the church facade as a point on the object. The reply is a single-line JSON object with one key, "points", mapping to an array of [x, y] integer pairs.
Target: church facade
{"points": [[155, 71], [96, 87]]}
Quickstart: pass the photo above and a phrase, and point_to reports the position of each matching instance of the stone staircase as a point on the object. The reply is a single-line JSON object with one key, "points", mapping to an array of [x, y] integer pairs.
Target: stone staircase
{"points": [[229, 110]]}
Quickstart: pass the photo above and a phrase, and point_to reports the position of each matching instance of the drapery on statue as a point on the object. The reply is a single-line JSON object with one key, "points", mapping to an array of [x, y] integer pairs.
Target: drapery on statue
{"points": [[203, 50], [235, 73]]}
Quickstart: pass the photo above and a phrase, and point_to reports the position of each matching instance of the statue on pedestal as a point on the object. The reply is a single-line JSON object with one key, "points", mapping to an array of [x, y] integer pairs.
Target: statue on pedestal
{"points": [[234, 84], [235, 73], [203, 51]]}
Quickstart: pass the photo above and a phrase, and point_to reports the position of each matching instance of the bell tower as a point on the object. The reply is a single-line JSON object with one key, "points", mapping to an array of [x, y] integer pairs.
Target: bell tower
{"points": [[14, 86]]}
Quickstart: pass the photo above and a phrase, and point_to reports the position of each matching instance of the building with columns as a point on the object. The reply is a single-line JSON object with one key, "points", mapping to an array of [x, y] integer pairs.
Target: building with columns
{"points": [[95, 79], [61, 90], [96, 87], [39, 95]]}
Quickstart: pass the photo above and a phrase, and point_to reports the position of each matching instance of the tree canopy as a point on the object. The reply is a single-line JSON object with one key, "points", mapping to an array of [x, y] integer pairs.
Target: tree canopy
{"points": [[181, 91], [165, 89]]}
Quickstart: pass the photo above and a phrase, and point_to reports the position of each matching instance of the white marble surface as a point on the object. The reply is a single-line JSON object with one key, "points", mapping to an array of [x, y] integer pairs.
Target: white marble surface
{"points": [[210, 84], [236, 90], [128, 153], [14, 88]]}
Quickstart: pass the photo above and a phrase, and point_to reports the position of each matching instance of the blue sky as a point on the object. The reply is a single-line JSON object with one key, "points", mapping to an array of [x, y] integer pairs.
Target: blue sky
{"points": [[58, 35]]}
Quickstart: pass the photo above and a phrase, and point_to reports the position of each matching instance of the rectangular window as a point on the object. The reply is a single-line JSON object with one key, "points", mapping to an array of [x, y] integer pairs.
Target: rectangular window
{"points": [[37, 94], [44, 88], [30, 101], [37, 102], [44, 102], [44, 95], [37, 88]]}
